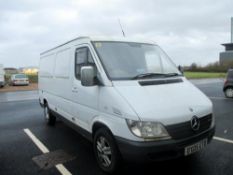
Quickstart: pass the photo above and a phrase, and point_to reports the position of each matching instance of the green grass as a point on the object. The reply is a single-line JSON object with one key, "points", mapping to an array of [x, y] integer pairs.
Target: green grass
{"points": [[33, 78], [199, 75]]}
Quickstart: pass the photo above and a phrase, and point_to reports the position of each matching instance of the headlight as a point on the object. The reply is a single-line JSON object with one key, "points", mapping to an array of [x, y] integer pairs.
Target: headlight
{"points": [[148, 130]]}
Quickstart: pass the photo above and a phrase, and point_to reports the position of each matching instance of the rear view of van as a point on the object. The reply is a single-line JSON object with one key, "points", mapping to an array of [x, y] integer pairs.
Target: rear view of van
{"points": [[127, 97], [2, 76]]}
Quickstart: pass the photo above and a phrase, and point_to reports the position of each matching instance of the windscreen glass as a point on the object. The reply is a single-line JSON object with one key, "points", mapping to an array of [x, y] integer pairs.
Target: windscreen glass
{"points": [[125, 60]]}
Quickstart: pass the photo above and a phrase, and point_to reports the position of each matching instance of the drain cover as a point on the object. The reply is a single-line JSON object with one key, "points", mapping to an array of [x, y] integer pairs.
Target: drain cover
{"points": [[48, 160]]}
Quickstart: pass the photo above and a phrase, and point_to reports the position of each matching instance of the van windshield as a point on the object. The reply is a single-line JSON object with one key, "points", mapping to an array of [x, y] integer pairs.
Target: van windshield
{"points": [[128, 60]]}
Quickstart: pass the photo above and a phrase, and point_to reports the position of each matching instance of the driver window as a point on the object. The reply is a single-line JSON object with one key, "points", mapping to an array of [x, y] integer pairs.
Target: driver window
{"points": [[83, 57]]}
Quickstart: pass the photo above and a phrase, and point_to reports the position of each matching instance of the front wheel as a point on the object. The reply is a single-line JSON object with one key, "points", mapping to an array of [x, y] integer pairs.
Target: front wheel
{"points": [[106, 151], [229, 92], [49, 117]]}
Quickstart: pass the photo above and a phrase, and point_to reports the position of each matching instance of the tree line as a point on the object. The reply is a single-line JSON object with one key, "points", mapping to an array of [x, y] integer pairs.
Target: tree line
{"points": [[211, 67]]}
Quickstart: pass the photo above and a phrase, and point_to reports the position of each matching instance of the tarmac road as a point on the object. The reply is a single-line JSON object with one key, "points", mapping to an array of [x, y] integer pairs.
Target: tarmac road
{"points": [[21, 110]]}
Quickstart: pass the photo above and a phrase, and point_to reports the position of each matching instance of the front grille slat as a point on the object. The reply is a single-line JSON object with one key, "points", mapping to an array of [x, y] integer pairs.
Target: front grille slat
{"points": [[184, 130]]}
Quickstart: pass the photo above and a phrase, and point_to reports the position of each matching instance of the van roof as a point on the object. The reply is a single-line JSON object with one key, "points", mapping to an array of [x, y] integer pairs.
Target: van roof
{"points": [[102, 38], [123, 39]]}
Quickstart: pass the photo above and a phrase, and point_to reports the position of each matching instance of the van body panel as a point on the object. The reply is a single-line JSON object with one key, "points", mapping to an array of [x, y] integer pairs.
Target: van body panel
{"points": [[150, 103], [112, 103], [118, 103]]}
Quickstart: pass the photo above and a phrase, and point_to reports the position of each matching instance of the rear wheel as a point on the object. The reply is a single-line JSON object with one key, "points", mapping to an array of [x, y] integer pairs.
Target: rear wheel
{"points": [[229, 92], [106, 151], [49, 117]]}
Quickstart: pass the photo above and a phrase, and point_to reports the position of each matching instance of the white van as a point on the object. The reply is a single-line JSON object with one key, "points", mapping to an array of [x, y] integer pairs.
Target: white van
{"points": [[127, 97], [2, 76]]}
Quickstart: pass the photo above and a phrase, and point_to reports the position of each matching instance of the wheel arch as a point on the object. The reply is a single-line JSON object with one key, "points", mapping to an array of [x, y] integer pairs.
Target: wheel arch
{"points": [[99, 124]]}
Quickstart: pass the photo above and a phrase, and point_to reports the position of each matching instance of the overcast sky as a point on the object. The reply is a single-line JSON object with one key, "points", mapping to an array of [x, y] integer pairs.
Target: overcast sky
{"points": [[188, 30]]}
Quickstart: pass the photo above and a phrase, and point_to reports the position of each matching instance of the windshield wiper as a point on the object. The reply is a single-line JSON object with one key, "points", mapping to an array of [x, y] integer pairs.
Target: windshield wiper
{"points": [[172, 74], [146, 75]]}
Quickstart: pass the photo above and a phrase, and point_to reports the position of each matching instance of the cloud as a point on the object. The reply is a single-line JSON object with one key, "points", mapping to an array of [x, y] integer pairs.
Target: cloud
{"points": [[190, 31]]}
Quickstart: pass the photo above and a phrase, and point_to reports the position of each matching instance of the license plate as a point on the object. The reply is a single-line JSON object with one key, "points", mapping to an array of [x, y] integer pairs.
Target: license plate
{"points": [[195, 147]]}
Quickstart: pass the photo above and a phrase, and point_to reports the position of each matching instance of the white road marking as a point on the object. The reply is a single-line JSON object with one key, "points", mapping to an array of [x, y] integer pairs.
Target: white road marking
{"points": [[223, 140], [60, 167], [38, 143], [63, 169]]}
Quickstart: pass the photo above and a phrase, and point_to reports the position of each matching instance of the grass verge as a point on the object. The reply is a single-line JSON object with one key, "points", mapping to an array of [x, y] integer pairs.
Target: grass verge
{"points": [[199, 75]]}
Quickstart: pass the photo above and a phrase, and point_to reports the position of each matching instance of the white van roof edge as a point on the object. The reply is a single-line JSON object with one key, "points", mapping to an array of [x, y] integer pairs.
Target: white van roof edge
{"points": [[82, 37], [101, 38]]}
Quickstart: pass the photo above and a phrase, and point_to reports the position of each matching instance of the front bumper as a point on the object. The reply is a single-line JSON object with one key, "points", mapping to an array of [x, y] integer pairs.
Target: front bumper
{"points": [[158, 150]]}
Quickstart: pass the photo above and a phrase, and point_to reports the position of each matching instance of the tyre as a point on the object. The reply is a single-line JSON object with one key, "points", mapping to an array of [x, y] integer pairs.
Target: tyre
{"points": [[49, 117], [229, 92], [106, 151]]}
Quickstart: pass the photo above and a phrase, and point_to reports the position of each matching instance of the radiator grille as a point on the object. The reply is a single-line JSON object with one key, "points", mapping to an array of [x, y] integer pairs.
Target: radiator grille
{"points": [[184, 130]]}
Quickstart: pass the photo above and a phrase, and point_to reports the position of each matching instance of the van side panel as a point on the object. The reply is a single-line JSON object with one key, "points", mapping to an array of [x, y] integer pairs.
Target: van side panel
{"points": [[46, 77], [55, 81], [62, 82]]}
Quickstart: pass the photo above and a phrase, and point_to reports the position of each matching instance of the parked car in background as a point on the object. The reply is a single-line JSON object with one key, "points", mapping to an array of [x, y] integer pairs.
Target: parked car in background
{"points": [[2, 76], [19, 79], [228, 85]]}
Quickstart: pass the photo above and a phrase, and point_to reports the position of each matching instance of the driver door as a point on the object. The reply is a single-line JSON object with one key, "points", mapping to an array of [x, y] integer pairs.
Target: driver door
{"points": [[85, 99]]}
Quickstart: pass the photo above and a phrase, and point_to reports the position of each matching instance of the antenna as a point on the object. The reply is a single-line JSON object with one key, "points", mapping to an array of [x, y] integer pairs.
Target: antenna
{"points": [[123, 33]]}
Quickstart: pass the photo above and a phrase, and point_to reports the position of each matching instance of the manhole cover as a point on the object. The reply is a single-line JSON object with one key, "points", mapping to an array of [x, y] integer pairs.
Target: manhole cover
{"points": [[48, 160]]}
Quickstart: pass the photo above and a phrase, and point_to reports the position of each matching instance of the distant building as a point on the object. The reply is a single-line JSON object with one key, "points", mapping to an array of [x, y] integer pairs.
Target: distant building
{"points": [[227, 56], [11, 70], [29, 70]]}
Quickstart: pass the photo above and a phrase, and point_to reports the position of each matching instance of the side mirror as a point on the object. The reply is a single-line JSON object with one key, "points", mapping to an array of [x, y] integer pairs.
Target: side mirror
{"points": [[88, 76], [180, 68]]}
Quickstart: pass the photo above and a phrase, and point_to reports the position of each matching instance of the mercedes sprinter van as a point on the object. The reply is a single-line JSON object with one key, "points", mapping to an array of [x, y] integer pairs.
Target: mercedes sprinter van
{"points": [[127, 97]]}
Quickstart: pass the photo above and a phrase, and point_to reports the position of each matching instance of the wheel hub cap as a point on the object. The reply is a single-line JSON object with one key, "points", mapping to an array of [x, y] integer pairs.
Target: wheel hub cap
{"points": [[104, 151], [229, 92]]}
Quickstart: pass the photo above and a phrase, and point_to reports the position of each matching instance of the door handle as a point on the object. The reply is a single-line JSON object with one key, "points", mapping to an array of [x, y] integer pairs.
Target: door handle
{"points": [[75, 89]]}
